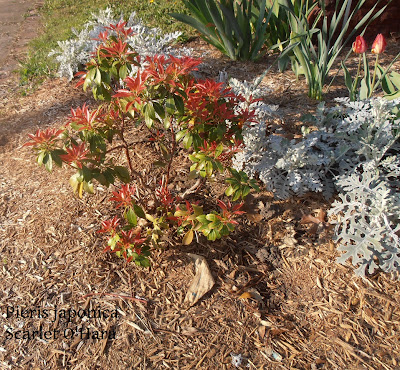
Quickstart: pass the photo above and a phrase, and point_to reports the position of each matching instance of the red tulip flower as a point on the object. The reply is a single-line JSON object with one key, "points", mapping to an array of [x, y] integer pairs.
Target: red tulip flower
{"points": [[379, 45], [359, 46]]}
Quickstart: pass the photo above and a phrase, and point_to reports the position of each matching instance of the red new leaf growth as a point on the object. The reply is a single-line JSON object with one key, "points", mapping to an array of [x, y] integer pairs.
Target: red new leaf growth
{"points": [[124, 195], [82, 74], [213, 91], [157, 136], [120, 29], [110, 226], [44, 138], [234, 148], [117, 49], [186, 211], [135, 85], [169, 71], [129, 240], [210, 103], [83, 118], [210, 149], [103, 36], [246, 116], [229, 212], [166, 198], [76, 154]]}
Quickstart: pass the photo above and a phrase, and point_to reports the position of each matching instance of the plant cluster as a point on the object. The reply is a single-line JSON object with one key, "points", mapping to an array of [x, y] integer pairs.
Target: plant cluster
{"points": [[157, 95], [309, 38], [314, 59], [236, 28], [59, 17], [360, 89], [355, 150], [74, 53]]}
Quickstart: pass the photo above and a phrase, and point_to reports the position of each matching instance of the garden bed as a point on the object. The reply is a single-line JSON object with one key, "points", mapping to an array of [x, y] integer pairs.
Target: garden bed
{"points": [[302, 309]]}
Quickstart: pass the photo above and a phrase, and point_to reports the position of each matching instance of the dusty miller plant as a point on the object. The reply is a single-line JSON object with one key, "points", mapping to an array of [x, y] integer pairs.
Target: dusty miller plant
{"points": [[74, 53], [352, 148], [288, 166], [368, 209]]}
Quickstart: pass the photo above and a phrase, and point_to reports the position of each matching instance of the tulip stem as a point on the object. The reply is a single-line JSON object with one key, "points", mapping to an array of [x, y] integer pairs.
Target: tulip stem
{"points": [[356, 80], [373, 78]]}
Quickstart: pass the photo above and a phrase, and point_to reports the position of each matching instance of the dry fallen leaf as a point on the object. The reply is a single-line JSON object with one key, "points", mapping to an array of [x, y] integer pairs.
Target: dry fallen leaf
{"points": [[202, 282], [252, 294], [246, 295], [189, 330], [261, 331], [317, 222]]}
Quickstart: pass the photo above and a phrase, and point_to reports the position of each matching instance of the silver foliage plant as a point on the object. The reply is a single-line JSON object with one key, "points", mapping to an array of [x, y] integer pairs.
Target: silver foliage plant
{"points": [[368, 209], [353, 149], [73, 53], [287, 166]]}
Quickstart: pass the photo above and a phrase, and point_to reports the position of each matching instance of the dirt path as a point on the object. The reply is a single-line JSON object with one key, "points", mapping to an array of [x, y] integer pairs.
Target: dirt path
{"points": [[19, 22]]}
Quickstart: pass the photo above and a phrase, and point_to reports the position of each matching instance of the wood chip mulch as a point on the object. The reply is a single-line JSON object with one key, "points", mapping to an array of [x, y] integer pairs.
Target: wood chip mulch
{"points": [[65, 304]]}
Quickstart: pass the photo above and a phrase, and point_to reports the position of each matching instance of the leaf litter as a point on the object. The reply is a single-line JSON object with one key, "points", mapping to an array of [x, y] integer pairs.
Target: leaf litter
{"points": [[315, 313]]}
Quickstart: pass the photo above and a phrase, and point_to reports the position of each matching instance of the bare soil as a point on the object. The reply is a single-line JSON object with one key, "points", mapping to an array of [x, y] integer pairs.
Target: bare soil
{"points": [[302, 311]]}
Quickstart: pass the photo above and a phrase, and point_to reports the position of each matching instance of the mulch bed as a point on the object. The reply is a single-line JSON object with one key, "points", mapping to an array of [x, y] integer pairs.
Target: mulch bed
{"points": [[303, 310]]}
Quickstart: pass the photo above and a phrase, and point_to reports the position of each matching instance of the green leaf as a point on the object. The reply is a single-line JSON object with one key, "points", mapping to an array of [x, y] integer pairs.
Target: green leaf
{"points": [[122, 173], [139, 211], [87, 174], [40, 157], [211, 217], [202, 219], [229, 191], [347, 78], [150, 218], [254, 185], [109, 175], [76, 183], [245, 191], [170, 105], [187, 141], [180, 134], [159, 109], [101, 179], [237, 195], [216, 225], [130, 216], [213, 235], [164, 152], [198, 210], [180, 106], [113, 241], [48, 162], [55, 154], [395, 95], [123, 72], [149, 114], [97, 79], [364, 89], [142, 261]]}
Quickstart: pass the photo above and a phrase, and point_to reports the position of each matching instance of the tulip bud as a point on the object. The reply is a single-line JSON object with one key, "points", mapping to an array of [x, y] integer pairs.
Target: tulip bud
{"points": [[379, 44], [359, 46]]}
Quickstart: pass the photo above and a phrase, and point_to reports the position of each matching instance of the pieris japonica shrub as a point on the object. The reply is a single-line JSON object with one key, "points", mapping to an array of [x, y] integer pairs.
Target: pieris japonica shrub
{"points": [[75, 53], [179, 114]]}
